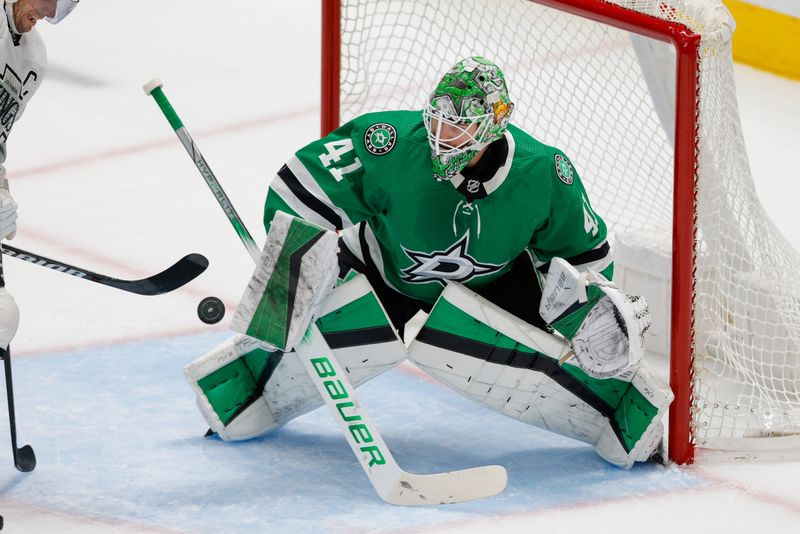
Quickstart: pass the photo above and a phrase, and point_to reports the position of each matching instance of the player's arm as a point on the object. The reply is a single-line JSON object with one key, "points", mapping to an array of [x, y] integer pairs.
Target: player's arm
{"points": [[322, 183], [9, 312], [572, 231], [603, 325]]}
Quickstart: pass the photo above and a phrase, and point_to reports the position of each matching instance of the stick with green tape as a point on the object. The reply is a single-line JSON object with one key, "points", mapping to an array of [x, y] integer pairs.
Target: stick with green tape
{"points": [[154, 89]]}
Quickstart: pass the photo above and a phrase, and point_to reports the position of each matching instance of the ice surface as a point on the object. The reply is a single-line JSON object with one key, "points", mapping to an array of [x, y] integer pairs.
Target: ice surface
{"points": [[103, 183]]}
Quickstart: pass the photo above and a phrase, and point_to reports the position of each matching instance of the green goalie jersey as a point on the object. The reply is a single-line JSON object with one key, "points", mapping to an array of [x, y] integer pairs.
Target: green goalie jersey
{"points": [[373, 175]]}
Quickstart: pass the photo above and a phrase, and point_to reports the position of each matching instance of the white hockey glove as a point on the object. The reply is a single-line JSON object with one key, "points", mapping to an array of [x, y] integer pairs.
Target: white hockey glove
{"points": [[8, 209], [610, 339], [9, 318]]}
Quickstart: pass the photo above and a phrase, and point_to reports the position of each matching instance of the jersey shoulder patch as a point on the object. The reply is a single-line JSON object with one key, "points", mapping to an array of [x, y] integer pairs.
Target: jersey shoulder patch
{"points": [[385, 136], [564, 169], [380, 138]]}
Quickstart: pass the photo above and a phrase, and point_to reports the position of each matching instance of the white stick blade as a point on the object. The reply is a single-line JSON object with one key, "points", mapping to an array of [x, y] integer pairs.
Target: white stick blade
{"points": [[447, 488]]}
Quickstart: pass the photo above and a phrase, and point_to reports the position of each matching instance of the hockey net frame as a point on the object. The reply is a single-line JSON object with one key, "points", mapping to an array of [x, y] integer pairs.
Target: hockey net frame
{"points": [[687, 35]]}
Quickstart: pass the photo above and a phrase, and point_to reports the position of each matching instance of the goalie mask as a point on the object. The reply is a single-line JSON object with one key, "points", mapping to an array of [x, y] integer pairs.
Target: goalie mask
{"points": [[469, 109]]}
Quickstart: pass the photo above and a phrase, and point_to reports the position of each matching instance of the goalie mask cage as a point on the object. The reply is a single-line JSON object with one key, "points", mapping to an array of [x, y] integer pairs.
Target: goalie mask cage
{"points": [[640, 95]]}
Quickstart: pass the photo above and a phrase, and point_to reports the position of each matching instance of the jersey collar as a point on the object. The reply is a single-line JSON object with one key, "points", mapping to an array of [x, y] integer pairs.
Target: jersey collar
{"points": [[475, 183]]}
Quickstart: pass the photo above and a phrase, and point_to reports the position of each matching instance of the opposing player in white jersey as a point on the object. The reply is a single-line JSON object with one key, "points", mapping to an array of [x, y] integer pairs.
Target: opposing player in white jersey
{"points": [[23, 60]]}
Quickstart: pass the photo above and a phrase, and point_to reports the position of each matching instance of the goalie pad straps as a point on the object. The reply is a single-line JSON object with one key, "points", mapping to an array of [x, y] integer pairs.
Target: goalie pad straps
{"points": [[610, 338], [296, 272], [244, 390], [512, 367]]}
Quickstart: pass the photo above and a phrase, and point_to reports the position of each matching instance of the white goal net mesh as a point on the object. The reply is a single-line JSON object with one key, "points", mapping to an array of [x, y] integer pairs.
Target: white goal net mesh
{"points": [[606, 98]]}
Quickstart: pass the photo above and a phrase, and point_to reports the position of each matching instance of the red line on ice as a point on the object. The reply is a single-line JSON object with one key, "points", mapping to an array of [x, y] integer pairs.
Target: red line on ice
{"points": [[158, 144]]}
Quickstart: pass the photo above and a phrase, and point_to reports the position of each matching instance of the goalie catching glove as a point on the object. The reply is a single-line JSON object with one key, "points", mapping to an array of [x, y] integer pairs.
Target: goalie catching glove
{"points": [[610, 338]]}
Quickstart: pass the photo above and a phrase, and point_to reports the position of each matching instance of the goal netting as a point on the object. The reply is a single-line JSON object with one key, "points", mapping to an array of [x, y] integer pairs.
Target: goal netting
{"points": [[607, 97]]}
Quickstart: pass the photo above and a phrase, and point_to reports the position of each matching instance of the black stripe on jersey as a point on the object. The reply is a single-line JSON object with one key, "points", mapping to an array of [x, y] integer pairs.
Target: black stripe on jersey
{"points": [[590, 256], [307, 198], [523, 360]]}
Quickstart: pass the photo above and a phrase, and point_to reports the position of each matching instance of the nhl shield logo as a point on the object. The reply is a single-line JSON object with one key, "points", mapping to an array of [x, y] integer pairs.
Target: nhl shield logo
{"points": [[564, 170], [380, 138]]}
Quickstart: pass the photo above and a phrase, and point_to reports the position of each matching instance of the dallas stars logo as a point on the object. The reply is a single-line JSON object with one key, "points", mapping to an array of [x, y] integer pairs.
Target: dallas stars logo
{"points": [[452, 264], [380, 138], [564, 169]]}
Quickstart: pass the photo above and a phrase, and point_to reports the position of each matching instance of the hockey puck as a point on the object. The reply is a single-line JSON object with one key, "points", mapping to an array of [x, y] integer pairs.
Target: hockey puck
{"points": [[211, 310]]}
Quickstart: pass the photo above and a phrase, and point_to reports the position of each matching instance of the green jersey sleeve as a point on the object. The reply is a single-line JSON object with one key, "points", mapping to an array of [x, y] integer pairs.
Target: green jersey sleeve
{"points": [[572, 231], [322, 182]]}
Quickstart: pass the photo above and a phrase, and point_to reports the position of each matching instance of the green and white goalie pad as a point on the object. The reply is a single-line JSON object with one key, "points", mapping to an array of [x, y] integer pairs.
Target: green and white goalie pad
{"points": [[246, 388], [296, 272], [514, 368]]}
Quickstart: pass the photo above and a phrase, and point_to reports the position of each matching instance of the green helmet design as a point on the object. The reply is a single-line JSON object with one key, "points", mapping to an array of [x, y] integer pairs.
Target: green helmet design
{"points": [[469, 109]]}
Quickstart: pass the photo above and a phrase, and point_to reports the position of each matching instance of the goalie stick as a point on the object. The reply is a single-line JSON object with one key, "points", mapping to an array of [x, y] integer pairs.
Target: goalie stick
{"points": [[177, 275], [24, 457], [391, 482], [153, 88]]}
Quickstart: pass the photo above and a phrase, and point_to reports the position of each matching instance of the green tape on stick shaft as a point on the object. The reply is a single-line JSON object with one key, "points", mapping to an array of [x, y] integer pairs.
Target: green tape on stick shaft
{"points": [[166, 108]]}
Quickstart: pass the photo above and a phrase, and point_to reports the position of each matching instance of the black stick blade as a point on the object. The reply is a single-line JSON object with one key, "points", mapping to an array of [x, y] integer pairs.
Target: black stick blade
{"points": [[25, 459], [184, 271], [181, 273]]}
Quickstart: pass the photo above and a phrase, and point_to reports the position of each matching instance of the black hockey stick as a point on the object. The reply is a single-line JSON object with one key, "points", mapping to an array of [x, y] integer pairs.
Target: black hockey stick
{"points": [[24, 457], [181, 273]]}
